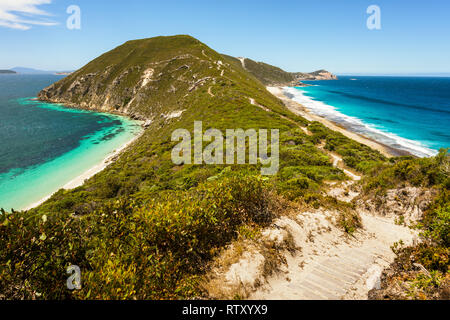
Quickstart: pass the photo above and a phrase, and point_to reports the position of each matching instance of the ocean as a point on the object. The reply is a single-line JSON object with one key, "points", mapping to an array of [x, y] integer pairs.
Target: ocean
{"points": [[45, 146], [406, 113]]}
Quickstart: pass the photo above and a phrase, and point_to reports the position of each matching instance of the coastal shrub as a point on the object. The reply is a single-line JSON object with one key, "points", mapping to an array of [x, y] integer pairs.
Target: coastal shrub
{"points": [[35, 252], [349, 220], [436, 221], [165, 243], [354, 154]]}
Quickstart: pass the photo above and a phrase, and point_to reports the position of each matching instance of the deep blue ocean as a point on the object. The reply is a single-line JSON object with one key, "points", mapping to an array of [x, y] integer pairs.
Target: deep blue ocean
{"points": [[44, 146], [408, 113]]}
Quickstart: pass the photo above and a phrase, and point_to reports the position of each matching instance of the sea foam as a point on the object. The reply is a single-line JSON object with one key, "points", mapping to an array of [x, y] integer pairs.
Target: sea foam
{"points": [[357, 125]]}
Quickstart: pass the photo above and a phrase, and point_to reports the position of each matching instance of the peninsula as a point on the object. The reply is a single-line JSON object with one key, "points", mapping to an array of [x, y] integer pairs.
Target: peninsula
{"points": [[145, 227]]}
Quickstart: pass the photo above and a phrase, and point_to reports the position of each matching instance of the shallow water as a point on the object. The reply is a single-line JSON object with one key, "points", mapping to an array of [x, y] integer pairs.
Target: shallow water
{"points": [[45, 146]]}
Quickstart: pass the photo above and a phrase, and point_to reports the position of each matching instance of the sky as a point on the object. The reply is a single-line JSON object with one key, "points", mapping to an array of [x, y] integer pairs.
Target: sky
{"points": [[295, 35]]}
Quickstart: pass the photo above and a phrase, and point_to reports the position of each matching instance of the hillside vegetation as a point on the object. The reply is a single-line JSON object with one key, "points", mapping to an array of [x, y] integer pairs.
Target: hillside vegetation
{"points": [[145, 228]]}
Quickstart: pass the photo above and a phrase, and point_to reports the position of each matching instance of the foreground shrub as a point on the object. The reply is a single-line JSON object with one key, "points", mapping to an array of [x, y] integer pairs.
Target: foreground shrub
{"points": [[125, 249], [422, 270]]}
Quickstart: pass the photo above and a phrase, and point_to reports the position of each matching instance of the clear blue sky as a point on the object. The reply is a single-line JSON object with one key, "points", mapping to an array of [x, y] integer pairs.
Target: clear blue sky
{"points": [[296, 35]]}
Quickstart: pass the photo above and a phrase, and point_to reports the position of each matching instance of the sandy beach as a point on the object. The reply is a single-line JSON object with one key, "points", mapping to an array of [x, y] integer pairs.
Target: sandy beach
{"points": [[300, 110], [78, 181]]}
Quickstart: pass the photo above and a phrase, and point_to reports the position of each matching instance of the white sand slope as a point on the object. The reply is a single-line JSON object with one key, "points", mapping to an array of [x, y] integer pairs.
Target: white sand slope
{"points": [[332, 268], [78, 181]]}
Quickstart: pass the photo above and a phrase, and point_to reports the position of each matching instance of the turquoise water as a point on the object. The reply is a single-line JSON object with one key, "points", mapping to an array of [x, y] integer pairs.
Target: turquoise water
{"points": [[408, 113], [45, 146]]}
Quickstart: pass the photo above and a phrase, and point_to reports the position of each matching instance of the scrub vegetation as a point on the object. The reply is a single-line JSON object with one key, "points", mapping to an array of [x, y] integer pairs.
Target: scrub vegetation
{"points": [[145, 228]]}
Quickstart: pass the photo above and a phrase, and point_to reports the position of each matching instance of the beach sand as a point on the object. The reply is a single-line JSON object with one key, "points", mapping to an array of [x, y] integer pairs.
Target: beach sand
{"points": [[78, 181], [300, 110]]}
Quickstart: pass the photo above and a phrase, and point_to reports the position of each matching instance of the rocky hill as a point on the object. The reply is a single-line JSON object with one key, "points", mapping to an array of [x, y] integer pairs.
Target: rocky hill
{"points": [[147, 78]]}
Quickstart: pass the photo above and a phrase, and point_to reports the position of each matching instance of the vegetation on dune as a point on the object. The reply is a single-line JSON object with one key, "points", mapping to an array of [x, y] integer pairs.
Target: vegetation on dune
{"points": [[425, 172], [355, 155]]}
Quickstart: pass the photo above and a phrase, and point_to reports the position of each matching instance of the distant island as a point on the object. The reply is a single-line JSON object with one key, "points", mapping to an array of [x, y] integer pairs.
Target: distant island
{"points": [[7, 72], [324, 226]]}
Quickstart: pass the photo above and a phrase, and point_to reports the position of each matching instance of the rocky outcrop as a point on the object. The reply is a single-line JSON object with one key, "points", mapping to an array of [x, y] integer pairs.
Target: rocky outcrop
{"points": [[91, 91]]}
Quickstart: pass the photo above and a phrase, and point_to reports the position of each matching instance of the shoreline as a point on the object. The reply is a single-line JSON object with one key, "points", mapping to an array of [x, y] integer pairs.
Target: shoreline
{"points": [[300, 110], [80, 180]]}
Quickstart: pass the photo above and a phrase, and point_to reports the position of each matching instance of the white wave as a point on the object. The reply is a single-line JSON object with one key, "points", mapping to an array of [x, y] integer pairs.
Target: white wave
{"points": [[356, 125]]}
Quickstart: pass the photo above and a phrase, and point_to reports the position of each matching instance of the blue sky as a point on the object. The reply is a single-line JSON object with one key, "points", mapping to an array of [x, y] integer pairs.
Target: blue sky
{"points": [[295, 35]]}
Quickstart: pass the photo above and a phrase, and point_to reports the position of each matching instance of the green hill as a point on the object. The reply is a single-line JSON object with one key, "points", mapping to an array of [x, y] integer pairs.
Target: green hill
{"points": [[145, 228]]}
